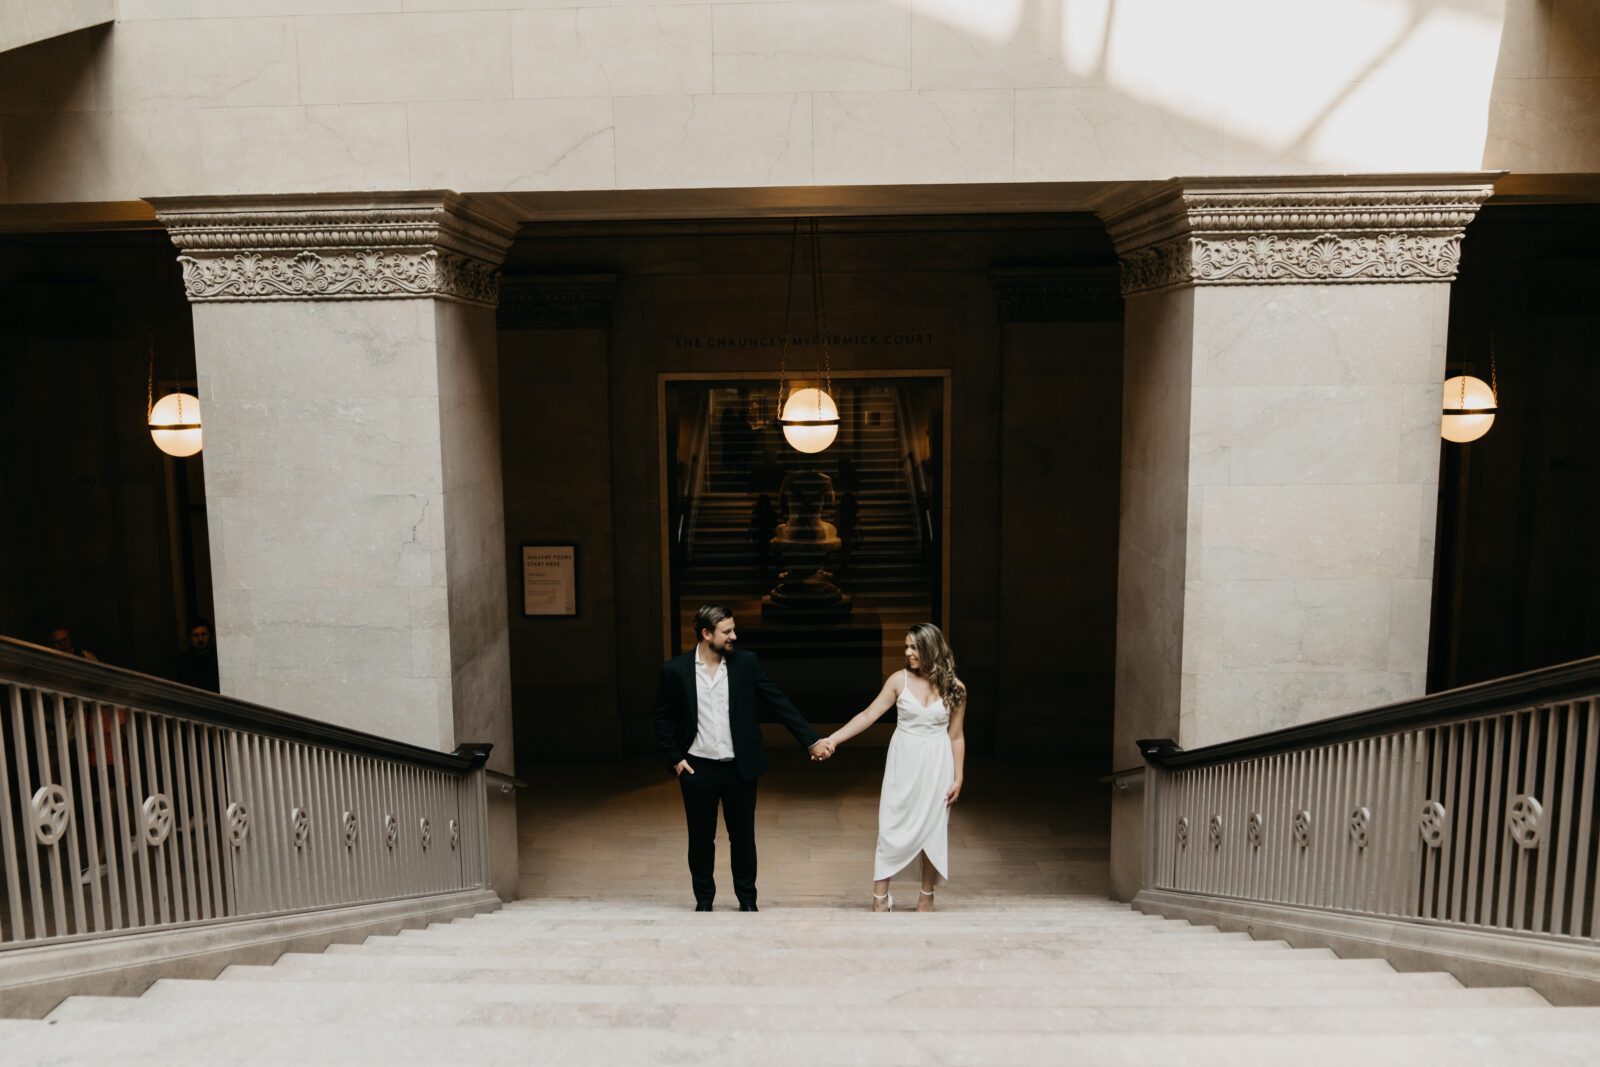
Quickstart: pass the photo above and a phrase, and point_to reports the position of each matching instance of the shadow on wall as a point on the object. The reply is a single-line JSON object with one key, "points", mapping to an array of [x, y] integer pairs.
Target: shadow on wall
{"points": [[1235, 86], [1023, 90]]}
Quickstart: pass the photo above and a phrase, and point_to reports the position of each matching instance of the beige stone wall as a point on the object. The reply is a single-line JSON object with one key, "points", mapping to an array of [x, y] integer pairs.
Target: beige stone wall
{"points": [[25, 21], [221, 96], [1544, 114]]}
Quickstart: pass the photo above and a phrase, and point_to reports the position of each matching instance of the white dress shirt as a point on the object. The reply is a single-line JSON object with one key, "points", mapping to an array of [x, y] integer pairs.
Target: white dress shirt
{"points": [[714, 740]]}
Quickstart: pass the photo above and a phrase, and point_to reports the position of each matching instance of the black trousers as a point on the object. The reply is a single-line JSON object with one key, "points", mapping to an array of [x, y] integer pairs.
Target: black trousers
{"points": [[714, 783]]}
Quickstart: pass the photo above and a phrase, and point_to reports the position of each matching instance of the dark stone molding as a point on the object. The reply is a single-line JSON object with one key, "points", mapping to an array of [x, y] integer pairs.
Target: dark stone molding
{"points": [[556, 302], [1064, 294]]}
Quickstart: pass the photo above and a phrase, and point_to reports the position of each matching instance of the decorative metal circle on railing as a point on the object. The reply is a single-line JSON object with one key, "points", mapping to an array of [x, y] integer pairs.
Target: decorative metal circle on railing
{"points": [[238, 823], [352, 829], [52, 814], [1215, 829], [427, 831], [1525, 820], [300, 819], [391, 831], [1360, 826], [1253, 829], [157, 818], [1431, 823], [1302, 828], [455, 833], [1183, 832]]}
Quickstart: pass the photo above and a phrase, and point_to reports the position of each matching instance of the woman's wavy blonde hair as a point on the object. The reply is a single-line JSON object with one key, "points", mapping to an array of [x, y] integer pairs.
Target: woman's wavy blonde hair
{"points": [[938, 663]]}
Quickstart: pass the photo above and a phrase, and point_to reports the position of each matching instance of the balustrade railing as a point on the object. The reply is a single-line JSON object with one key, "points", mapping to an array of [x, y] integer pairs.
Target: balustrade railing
{"points": [[1474, 807], [133, 804]]}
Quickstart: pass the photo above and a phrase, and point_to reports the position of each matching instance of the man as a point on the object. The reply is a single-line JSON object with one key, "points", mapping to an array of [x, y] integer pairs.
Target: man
{"points": [[705, 714], [199, 665]]}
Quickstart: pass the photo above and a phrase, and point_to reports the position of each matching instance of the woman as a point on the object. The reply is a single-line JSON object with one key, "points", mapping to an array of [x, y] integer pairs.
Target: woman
{"points": [[922, 775]]}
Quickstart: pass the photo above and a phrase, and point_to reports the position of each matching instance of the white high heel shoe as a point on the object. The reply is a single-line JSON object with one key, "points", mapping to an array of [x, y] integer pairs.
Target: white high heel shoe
{"points": [[887, 896]]}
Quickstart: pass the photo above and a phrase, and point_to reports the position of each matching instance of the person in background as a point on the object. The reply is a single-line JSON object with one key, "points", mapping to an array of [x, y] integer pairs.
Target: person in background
{"points": [[199, 666], [61, 641]]}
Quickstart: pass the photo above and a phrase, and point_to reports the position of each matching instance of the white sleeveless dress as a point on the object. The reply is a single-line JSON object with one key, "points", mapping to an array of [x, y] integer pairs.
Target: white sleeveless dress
{"points": [[921, 767]]}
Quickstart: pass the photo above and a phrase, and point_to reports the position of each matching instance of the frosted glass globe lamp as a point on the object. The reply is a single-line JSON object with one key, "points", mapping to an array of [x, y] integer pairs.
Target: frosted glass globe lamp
{"points": [[810, 420], [1469, 409], [175, 424]]}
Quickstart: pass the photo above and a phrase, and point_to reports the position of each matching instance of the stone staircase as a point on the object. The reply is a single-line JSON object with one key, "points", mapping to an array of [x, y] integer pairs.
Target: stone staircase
{"points": [[888, 561], [1078, 981]]}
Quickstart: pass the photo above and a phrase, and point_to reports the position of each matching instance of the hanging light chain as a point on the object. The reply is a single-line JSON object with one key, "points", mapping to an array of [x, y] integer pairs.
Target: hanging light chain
{"points": [[788, 300], [825, 364]]}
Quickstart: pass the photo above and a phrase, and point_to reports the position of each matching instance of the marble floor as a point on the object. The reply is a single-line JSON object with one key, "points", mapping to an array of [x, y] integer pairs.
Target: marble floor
{"points": [[615, 831]]}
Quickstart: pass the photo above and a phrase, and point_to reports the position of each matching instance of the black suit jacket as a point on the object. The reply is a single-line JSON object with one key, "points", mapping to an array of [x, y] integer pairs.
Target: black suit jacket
{"points": [[677, 710]]}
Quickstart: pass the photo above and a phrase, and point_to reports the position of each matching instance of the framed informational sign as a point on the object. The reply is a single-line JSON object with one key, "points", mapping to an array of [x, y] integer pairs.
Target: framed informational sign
{"points": [[549, 580]]}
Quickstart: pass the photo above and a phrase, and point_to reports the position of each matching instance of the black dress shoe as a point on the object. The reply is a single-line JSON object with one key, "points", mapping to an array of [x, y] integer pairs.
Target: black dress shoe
{"points": [[702, 905], [749, 906]]}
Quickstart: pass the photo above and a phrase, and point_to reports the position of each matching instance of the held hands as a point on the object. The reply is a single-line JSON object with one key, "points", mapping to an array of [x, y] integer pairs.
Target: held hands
{"points": [[823, 749], [951, 794]]}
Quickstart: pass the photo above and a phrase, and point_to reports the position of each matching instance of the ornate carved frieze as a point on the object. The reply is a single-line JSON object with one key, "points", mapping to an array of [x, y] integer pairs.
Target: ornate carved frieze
{"points": [[321, 248], [1210, 234], [1062, 295], [545, 302]]}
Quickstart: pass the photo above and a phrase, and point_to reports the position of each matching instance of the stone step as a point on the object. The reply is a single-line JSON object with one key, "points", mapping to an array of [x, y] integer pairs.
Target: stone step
{"points": [[1427, 989], [794, 933], [421, 1006], [951, 969], [891, 951], [286, 1041]]}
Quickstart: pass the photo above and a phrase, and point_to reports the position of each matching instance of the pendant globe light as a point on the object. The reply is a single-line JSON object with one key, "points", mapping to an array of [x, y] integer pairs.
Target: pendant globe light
{"points": [[1470, 405], [809, 416], [174, 420]]}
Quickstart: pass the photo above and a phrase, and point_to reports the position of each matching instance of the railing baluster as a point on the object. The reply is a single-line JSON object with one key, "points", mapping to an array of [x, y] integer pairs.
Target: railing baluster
{"points": [[86, 809], [52, 853], [1583, 859], [226, 766], [1516, 860], [8, 834], [182, 838], [196, 738], [1557, 828], [1491, 741]]}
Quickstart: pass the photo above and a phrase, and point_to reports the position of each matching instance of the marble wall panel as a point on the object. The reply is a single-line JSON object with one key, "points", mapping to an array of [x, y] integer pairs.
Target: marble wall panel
{"points": [[25, 21], [95, 155], [57, 75], [1314, 531], [558, 144], [1319, 335], [357, 59], [1544, 125], [323, 148], [707, 140], [799, 47], [888, 137], [1284, 435], [468, 417], [199, 63], [948, 56], [1154, 523], [327, 510], [620, 52], [1101, 132]]}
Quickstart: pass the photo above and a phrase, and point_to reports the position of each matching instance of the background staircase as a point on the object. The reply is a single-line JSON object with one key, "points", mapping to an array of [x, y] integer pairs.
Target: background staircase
{"points": [[890, 563], [1077, 981]]}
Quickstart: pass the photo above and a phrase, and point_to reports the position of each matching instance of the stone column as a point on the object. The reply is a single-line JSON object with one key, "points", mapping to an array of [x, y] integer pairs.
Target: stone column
{"points": [[1285, 346], [345, 347]]}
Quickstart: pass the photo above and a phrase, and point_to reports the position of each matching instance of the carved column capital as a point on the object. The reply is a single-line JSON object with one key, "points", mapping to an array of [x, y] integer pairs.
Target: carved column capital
{"points": [[1305, 230], [1064, 294], [337, 247], [556, 301]]}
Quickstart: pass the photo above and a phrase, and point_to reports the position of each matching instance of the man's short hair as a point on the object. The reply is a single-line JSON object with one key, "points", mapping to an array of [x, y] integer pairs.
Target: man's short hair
{"points": [[707, 618]]}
